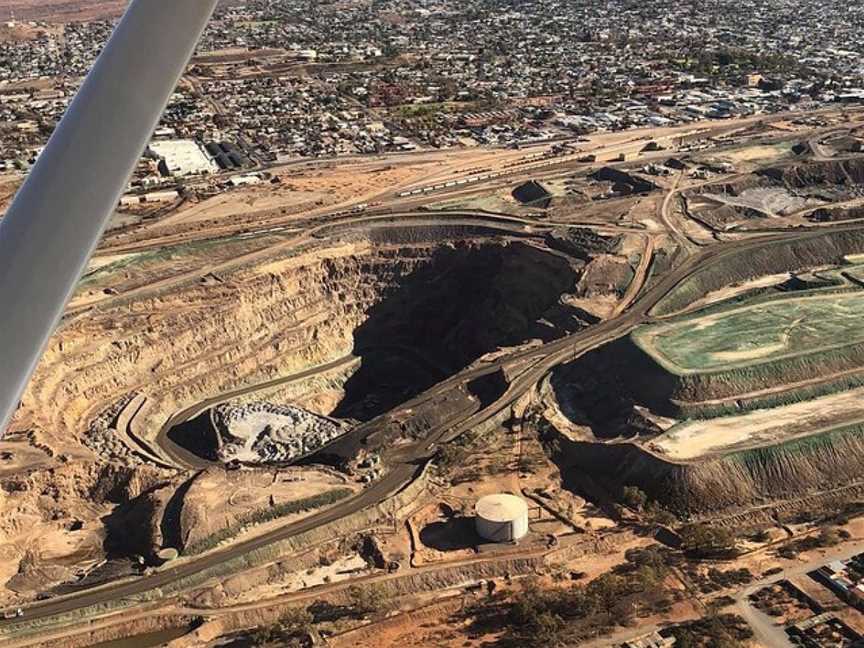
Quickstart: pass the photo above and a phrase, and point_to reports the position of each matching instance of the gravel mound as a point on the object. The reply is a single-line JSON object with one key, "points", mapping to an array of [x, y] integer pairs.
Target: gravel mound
{"points": [[260, 433]]}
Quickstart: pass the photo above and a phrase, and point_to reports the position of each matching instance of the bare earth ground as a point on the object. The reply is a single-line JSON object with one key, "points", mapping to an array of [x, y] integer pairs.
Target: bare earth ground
{"points": [[763, 427], [61, 10], [729, 292]]}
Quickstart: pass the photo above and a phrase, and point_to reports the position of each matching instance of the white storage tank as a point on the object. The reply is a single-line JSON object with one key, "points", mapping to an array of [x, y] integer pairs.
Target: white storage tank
{"points": [[502, 518]]}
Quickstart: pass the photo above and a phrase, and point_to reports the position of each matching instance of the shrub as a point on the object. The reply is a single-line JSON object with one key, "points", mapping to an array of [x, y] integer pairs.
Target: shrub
{"points": [[267, 515]]}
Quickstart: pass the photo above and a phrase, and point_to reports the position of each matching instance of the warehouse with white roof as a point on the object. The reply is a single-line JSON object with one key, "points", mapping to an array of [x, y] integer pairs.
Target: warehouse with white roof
{"points": [[182, 158]]}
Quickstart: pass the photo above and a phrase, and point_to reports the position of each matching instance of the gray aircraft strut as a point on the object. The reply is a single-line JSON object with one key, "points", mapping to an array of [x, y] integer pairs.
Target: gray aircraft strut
{"points": [[58, 216]]}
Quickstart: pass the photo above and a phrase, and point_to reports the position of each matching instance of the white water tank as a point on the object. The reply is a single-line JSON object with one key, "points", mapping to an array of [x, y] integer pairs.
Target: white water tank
{"points": [[502, 518]]}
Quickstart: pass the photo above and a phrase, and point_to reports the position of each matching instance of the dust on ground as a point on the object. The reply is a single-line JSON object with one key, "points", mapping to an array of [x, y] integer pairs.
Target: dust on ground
{"points": [[730, 292], [760, 152], [695, 439]]}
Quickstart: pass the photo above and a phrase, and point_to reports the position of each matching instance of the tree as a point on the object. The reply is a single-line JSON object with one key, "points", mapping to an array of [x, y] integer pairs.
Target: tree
{"points": [[788, 551], [450, 456], [296, 620], [647, 557], [534, 618], [548, 629], [705, 540], [829, 537], [288, 631], [634, 498], [762, 536], [370, 599], [714, 631]]}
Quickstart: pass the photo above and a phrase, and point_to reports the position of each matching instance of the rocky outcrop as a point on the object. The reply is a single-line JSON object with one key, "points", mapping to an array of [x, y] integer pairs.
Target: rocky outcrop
{"points": [[623, 183], [90, 482], [834, 214], [582, 242], [260, 433], [849, 173]]}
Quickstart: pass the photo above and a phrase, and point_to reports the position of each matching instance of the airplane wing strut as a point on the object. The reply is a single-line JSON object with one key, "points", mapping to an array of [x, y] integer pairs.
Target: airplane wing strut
{"points": [[57, 218]]}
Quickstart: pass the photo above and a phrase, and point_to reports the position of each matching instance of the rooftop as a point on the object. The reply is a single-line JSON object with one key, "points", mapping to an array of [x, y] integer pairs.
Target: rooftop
{"points": [[501, 507]]}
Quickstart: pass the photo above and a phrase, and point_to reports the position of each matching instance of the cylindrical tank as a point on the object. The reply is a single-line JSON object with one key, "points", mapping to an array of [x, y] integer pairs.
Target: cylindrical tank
{"points": [[502, 518]]}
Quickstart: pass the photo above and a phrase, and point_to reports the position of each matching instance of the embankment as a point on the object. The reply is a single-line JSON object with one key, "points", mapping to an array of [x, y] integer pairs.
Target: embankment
{"points": [[716, 485]]}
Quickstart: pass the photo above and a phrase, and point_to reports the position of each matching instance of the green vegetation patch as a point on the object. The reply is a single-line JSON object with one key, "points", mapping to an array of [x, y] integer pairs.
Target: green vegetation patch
{"points": [[825, 441], [419, 111], [779, 398], [756, 333], [185, 253]]}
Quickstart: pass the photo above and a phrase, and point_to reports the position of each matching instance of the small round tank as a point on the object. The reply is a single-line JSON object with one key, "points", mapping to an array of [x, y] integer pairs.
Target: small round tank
{"points": [[502, 518]]}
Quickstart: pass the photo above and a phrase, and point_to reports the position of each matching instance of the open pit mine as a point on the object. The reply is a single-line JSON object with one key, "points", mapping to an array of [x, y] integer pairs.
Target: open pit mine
{"points": [[386, 311], [730, 398], [267, 433], [243, 417]]}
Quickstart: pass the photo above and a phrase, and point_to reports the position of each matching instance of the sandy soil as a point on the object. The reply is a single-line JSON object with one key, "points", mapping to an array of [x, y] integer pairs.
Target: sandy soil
{"points": [[340, 570], [734, 290], [304, 190], [757, 153], [17, 32], [56, 552], [763, 427], [259, 491], [9, 184], [99, 262]]}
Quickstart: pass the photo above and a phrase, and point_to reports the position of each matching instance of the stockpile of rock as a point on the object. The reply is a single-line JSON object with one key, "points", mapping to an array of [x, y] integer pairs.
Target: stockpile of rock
{"points": [[267, 433], [102, 437]]}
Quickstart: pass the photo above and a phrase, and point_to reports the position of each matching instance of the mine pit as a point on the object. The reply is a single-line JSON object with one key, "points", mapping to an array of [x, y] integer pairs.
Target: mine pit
{"points": [[267, 433], [325, 355], [415, 307]]}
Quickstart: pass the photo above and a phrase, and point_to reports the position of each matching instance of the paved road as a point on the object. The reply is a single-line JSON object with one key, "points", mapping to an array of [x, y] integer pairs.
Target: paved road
{"points": [[763, 625], [183, 457], [407, 462]]}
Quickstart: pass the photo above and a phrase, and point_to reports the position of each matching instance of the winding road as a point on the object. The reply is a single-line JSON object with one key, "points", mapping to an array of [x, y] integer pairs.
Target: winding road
{"points": [[407, 462], [526, 366]]}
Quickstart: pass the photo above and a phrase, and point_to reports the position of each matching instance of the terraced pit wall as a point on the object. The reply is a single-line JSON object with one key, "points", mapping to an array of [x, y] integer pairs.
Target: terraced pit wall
{"points": [[310, 306], [683, 395], [773, 258], [717, 485], [626, 374]]}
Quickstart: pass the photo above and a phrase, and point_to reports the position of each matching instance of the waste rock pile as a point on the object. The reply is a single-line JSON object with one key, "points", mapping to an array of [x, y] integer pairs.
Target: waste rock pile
{"points": [[260, 433]]}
